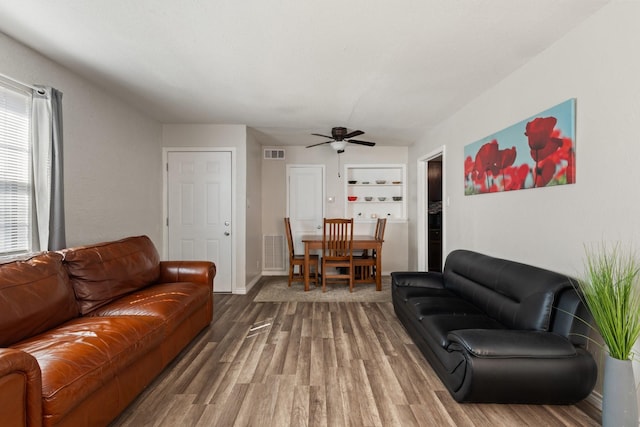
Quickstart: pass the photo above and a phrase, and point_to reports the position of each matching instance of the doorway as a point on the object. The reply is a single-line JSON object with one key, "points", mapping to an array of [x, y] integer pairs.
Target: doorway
{"points": [[434, 214], [431, 211], [199, 214], [305, 201]]}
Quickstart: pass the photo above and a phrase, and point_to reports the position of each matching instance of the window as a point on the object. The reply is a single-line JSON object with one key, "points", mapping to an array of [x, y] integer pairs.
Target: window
{"points": [[15, 182]]}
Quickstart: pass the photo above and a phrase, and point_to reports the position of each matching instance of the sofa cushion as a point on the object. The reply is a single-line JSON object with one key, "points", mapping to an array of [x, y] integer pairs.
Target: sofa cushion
{"points": [[35, 295], [491, 343], [438, 326], [518, 295], [170, 302], [103, 272], [83, 354]]}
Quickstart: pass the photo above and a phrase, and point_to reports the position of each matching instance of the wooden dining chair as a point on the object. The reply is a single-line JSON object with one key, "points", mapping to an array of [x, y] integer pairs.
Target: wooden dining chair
{"points": [[365, 265], [298, 260], [337, 251]]}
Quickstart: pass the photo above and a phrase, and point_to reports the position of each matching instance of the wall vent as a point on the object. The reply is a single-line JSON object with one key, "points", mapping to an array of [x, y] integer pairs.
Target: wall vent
{"points": [[273, 254], [274, 154]]}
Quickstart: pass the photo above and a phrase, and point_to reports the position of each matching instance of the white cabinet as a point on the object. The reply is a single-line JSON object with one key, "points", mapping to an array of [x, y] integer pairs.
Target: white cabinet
{"points": [[376, 191]]}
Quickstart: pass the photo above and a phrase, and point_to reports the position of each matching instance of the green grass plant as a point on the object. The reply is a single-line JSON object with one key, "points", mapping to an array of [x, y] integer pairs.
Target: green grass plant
{"points": [[611, 290]]}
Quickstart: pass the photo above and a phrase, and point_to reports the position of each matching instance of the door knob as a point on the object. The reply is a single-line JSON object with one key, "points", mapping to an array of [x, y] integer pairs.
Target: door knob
{"points": [[319, 227], [226, 233]]}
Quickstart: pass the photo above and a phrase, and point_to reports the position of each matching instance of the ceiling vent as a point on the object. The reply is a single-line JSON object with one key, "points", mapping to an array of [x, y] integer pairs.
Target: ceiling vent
{"points": [[273, 154]]}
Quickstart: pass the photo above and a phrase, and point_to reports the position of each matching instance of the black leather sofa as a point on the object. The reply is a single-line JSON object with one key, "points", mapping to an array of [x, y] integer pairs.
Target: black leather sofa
{"points": [[498, 331]]}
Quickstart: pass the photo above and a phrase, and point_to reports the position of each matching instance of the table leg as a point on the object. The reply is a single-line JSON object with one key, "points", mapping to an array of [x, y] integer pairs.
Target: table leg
{"points": [[306, 266]]}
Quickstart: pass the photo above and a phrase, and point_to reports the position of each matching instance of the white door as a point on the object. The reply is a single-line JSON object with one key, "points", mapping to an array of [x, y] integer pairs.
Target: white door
{"points": [[305, 201], [199, 210]]}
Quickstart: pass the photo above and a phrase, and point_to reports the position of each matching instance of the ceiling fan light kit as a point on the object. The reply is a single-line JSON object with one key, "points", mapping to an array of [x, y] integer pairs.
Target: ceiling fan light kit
{"points": [[338, 145]]}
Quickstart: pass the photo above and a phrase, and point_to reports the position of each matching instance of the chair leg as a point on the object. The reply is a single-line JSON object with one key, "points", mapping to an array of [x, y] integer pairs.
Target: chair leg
{"points": [[291, 267], [315, 280], [324, 279]]}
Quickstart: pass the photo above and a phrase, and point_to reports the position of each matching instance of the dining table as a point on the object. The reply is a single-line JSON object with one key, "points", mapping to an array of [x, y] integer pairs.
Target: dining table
{"points": [[360, 242]]}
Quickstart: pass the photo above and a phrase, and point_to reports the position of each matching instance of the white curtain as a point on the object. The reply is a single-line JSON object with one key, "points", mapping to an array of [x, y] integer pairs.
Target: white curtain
{"points": [[46, 119]]}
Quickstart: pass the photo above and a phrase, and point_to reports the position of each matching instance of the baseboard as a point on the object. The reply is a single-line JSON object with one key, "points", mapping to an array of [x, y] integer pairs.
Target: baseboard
{"points": [[595, 399], [591, 406], [248, 286], [275, 273]]}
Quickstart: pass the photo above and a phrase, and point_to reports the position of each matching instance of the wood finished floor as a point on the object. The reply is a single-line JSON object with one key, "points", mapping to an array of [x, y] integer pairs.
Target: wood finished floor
{"points": [[316, 364]]}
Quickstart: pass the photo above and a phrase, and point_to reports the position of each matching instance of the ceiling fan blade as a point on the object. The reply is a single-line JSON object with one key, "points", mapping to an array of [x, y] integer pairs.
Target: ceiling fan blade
{"points": [[320, 143], [367, 143], [352, 134], [325, 136]]}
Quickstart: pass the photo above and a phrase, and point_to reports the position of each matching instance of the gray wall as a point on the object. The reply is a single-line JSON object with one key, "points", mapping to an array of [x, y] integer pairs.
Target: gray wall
{"points": [[112, 153]]}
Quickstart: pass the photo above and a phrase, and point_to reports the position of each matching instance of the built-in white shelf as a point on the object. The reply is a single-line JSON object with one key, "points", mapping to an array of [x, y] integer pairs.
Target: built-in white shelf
{"points": [[374, 181]]}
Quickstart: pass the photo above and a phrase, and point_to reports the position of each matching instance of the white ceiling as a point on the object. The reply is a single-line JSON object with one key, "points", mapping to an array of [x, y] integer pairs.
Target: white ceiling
{"points": [[291, 67]]}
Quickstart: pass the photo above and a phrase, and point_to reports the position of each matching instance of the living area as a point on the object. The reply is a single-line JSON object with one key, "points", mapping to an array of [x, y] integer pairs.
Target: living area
{"points": [[115, 185]]}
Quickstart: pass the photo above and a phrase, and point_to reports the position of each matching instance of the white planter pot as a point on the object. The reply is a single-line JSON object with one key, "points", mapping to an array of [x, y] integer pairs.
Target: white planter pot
{"points": [[619, 399]]}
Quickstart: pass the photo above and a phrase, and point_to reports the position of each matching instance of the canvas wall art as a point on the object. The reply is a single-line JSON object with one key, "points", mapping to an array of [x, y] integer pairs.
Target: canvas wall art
{"points": [[536, 152]]}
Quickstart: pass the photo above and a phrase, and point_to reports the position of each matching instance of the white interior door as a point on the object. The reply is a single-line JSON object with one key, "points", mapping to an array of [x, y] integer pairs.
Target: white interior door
{"points": [[199, 210], [305, 201]]}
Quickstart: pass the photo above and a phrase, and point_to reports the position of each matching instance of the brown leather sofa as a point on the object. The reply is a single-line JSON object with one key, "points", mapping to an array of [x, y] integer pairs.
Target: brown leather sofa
{"points": [[83, 331]]}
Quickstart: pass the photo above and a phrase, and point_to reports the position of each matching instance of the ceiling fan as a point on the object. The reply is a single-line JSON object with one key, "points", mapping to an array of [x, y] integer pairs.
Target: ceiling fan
{"points": [[339, 138]]}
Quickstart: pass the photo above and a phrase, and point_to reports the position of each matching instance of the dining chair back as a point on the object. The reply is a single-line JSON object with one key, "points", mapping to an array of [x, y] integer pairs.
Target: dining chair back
{"points": [[337, 251], [381, 224], [365, 265], [298, 260]]}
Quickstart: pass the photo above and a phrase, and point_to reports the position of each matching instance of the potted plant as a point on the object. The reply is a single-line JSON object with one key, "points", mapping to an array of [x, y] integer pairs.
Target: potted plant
{"points": [[611, 291]]}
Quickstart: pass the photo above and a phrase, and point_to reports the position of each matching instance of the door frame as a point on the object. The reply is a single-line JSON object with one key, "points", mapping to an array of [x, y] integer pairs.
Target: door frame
{"points": [[322, 167], [423, 208], [307, 165], [234, 212]]}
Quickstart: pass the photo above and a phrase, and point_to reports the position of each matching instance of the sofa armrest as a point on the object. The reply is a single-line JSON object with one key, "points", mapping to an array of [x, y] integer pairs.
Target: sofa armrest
{"points": [[501, 343], [417, 279], [187, 271], [20, 388]]}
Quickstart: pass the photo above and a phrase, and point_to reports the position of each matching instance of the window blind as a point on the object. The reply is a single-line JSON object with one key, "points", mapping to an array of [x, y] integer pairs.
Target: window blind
{"points": [[15, 182]]}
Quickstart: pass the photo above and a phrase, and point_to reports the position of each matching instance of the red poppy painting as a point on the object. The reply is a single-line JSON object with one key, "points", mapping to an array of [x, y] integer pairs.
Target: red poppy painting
{"points": [[536, 152]]}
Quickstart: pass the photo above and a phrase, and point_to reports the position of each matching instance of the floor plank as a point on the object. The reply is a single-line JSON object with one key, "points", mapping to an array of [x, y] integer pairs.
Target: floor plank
{"points": [[315, 364]]}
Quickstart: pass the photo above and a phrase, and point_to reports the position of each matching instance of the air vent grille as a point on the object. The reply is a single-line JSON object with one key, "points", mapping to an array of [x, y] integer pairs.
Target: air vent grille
{"points": [[273, 154], [273, 252]]}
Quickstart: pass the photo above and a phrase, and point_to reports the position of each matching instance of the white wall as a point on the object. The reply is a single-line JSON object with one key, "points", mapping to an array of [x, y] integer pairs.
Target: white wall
{"points": [[596, 63], [112, 153], [113, 160], [234, 136], [274, 194], [254, 210]]}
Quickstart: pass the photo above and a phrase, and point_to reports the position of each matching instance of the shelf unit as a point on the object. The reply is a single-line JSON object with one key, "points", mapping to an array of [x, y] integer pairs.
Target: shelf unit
{"points": [[366, 177]]}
